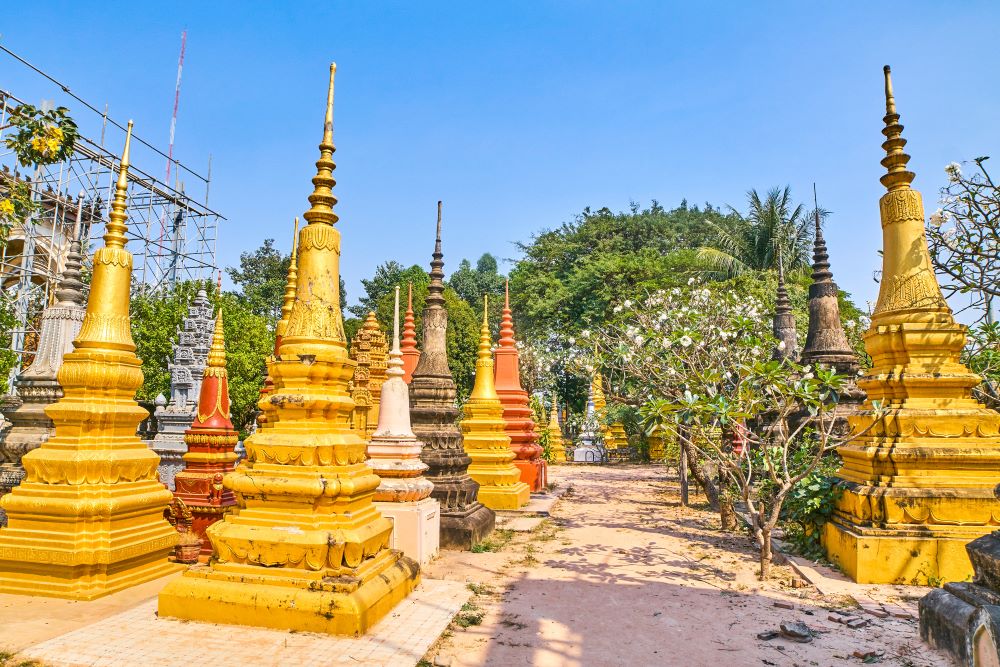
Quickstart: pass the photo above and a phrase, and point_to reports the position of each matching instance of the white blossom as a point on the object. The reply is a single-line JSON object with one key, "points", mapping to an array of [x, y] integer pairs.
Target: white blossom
{"points": [[954, 171], [686, 340]]}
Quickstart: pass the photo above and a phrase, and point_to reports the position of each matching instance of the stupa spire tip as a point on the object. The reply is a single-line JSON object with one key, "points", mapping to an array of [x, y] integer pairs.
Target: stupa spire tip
{"points": [[895, 160]]}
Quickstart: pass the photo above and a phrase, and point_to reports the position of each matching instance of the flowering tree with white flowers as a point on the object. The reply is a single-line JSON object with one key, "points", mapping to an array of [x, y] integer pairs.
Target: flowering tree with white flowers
{"points": [[964, 239], [964, 236], [699, 363]]}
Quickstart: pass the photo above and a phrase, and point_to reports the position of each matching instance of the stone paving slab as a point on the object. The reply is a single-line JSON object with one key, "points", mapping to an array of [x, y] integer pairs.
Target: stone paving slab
{"points": [[138, 637]]}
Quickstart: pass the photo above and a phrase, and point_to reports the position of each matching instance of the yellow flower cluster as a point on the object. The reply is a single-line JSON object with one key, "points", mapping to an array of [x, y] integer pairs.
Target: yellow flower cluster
{"points": [[48, 142], [6, 208]]}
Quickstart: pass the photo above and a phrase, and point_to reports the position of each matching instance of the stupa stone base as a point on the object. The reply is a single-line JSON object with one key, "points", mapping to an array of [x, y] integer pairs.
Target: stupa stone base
{"points": [[500, 498], [586, 454], [886, 535], [64, 555], [534, 473], [291, 598], [416, 527], [462, 530]]}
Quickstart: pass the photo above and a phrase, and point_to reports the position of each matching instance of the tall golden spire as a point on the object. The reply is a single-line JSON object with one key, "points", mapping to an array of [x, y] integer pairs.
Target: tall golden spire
{"points": [[106, 324], [315, 318], [322, 198], [290, 285], [909, 286], [485, 387], [114, 237], [895, 159]]}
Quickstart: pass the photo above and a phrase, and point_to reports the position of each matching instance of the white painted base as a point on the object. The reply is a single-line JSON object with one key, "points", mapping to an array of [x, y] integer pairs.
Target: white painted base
{"points": [[416, 527], [587, 454]]}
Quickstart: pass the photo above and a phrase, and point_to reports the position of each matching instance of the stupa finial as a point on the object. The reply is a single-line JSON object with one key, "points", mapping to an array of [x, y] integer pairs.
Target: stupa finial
{"points": [[395, 364], [215, 366], [322, 198], [485, 386], [408, 342], [435, 291], [114, 236], [506, 319], [70, 287], [897, 177], [821, 259], [782, 304], [290, 284]]}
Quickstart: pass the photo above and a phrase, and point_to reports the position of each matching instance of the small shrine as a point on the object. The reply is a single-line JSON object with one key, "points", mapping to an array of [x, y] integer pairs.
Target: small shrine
{"points": [[368, 350], [394, 455], [516, 409], [587, 450], [211, 443], [485, 437], [557, 449], [193, 340]]}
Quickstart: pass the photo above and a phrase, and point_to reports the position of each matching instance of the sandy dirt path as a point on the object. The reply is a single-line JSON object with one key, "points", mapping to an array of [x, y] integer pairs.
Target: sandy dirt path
{"points": [[621, 574]]}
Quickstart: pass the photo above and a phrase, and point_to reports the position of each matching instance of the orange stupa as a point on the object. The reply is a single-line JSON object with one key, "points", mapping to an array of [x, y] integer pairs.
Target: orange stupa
{"points": [[516, 411], [210, 442], [408, 345]]}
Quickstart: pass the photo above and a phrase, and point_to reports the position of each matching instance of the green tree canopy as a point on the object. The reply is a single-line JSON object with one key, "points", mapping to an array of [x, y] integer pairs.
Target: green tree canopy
{"points": [[261, 278]]}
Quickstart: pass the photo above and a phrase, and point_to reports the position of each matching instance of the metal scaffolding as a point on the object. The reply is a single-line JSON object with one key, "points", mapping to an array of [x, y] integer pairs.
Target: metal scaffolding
{"points": [[173, 233]]}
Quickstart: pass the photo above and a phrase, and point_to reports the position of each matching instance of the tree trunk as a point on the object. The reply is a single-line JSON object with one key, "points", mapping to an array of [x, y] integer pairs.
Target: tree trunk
{"points": [[683, 474], [701, 473], [765, 554], [727, 515]]}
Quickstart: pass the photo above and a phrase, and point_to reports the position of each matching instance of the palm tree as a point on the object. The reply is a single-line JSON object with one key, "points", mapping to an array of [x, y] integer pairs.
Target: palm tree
{"points": [[753, 242]]}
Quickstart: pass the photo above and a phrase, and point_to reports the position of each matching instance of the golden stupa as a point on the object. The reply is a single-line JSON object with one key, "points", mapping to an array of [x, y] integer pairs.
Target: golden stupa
{"points": [[88, 518], [307, 550], [919, 484], [485, 438], [557, 448]]}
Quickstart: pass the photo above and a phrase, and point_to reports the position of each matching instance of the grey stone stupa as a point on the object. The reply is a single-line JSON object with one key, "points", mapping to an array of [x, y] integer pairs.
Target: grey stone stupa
{"points": [[194, 338], [433, 415], [784, 321], [37, 386]]}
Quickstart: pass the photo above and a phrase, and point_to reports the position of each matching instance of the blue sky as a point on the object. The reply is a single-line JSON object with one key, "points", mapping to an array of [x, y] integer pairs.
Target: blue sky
{"points": [[520, 114]]}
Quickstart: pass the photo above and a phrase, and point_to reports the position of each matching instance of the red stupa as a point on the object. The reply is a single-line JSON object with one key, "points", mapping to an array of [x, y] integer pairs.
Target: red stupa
{"points": [[408, 345], [516, 410], [210, 442]]}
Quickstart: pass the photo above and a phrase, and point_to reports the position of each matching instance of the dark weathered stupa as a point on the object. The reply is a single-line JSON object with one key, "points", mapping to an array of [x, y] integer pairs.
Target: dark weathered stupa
{"points": [[784, 321], [826, 341], [464, 520]]}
